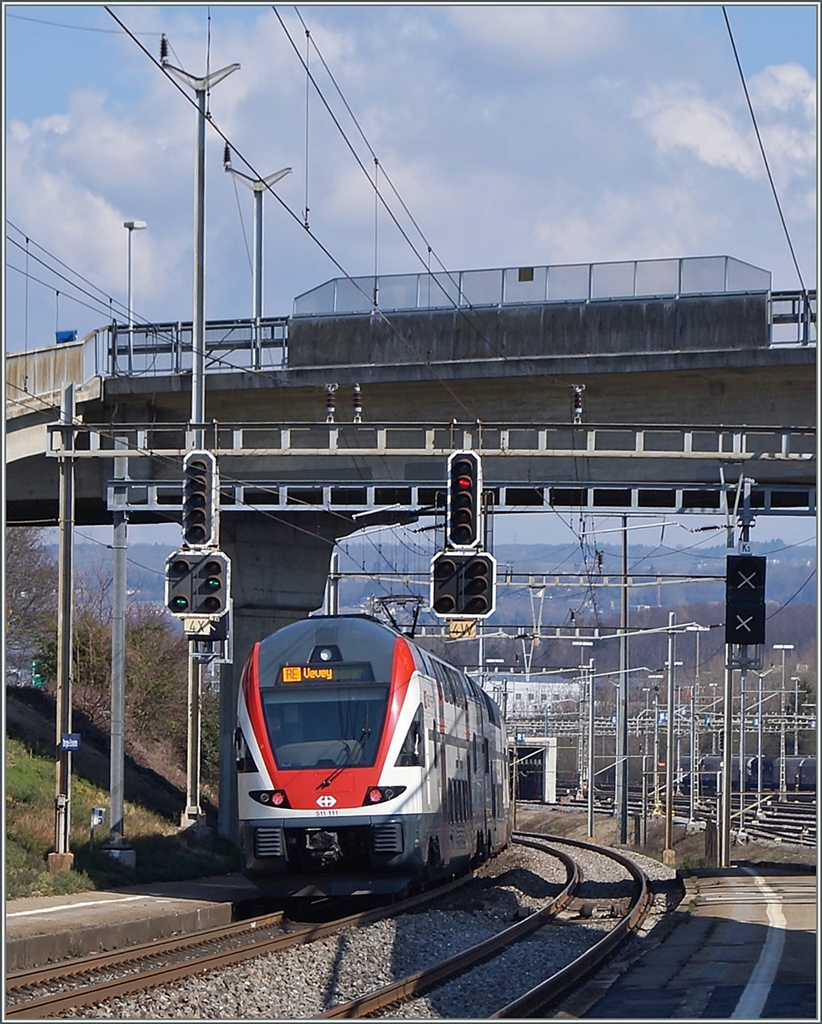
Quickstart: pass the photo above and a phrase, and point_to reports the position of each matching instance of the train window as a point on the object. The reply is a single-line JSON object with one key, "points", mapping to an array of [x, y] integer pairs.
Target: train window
{"points": [[412, 751], [325, 727]]}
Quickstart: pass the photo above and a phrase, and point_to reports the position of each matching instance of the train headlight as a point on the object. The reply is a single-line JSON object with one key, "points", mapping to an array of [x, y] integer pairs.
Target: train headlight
{"points": [[379, 794], [270, 797]]}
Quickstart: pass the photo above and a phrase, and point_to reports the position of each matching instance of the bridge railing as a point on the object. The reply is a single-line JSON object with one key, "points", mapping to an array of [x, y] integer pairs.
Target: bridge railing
{"points": [[576, 282], [230, 345], [792, 318]]}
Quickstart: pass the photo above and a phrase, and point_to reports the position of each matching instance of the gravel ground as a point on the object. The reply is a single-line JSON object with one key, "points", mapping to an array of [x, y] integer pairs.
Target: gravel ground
{"points": [[302, 981]]}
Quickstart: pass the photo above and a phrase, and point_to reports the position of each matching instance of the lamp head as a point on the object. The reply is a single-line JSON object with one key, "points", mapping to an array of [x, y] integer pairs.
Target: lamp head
{"points": [[134, 225]]}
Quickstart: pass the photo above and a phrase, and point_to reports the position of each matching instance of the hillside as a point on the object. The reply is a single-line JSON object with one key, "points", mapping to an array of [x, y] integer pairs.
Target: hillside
{"points": [[151, 814]]}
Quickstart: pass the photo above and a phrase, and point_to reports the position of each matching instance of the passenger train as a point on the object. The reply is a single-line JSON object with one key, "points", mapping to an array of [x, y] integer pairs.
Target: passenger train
{"points": [[358, 751]]}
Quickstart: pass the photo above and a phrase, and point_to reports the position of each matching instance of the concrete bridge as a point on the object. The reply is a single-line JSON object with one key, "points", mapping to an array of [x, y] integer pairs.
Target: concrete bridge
{"points": [[695, 374]]}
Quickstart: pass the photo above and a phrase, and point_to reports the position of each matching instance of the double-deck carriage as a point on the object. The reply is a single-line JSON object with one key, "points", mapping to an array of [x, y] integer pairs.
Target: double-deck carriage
{"points": [[359, 752]]}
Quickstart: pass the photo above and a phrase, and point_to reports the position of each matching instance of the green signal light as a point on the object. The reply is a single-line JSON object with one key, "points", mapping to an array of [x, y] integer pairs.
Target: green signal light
{"points": [[212, 583], [179, 603]]}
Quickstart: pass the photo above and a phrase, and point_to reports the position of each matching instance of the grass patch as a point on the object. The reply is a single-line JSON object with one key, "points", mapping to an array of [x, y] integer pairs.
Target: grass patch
{"points": [[163, 852]]}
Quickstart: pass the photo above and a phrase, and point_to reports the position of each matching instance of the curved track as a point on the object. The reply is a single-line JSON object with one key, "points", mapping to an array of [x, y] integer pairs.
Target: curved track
{"points": [[105, 976], [550, 988]]}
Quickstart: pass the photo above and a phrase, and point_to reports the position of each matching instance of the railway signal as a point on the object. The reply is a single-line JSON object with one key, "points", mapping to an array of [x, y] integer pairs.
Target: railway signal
{"points": [[464, 494], [745, 599], [463, 585], [200, 489], [198, 585]]}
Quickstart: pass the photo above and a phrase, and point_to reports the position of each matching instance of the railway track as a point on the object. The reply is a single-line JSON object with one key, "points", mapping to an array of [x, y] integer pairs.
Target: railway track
{"points": [[93, 979], [549, 989], [106, 977], [791, 820]]}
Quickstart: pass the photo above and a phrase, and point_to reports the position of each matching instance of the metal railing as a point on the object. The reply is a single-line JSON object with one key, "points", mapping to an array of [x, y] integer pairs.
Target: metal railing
{"points": [[155, 350], [230, 346], [576, 282]]}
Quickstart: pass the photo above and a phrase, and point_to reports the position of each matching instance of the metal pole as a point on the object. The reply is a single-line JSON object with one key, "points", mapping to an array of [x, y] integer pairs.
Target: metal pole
{"points": [[198, 314], [657, 806], [193, 813], [118, 649], [796, 716], [591, 746], [742, 750], [621, 774], [727, 743], [62, 859], [668, 855], [130, 311], [694, 757], [759, 748], [258, 253], [782, 776]]}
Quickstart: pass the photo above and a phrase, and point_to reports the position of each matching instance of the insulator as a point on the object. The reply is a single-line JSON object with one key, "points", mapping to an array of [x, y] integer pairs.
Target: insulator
{"points": [[357, 400], [330, 402], [227, 154], [577, 401], [163, 47]]}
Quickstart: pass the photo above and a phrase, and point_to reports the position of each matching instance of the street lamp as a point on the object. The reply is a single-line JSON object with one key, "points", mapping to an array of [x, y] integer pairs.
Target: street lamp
{"points": [[131, 226], [257, 186], [783, 648]]}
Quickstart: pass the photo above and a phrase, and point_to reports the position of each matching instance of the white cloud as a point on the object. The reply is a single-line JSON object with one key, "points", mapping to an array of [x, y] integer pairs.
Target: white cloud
{"points": [[784, 87], [538, 32], [679, 117]]}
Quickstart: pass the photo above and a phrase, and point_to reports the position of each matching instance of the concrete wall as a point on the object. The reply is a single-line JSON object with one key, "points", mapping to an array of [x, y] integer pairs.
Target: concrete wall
{"points": [[695, 323]]}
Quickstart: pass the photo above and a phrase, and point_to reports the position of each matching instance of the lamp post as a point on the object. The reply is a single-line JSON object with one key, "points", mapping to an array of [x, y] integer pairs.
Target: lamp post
{"points": [[782, 648], [201, 86], [258, 186], [131, 226]]}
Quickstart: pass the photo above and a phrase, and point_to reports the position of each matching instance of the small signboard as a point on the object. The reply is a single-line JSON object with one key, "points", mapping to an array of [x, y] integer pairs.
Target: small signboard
{"points": [[70, 741], [98, 816], [520, 737]]}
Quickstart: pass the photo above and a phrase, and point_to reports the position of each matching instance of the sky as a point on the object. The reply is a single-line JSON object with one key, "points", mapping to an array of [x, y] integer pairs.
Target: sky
{"points": [[515, 135]]}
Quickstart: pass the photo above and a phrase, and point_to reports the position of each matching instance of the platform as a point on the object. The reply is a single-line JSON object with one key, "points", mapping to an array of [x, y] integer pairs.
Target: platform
{"points": [[42, 929]]}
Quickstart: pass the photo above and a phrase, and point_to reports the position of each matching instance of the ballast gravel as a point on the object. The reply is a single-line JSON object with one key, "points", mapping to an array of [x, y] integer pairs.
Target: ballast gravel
{"points": [[302, 981]]}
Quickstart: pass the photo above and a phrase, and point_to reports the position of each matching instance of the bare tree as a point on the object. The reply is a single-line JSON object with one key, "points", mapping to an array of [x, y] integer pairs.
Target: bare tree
{"points": [[31, 596]]}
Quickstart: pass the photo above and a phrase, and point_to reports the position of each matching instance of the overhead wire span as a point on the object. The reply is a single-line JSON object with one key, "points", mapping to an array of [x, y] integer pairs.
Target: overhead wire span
{"points": [[762, 151], [323, 248]]}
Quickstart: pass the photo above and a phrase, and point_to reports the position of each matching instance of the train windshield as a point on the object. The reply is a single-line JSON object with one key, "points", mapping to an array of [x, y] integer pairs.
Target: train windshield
{"points": [[325, 726]]}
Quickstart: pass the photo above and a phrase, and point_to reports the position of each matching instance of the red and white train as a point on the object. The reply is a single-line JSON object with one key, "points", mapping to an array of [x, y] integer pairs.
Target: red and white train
{"points": [[360, 752]]}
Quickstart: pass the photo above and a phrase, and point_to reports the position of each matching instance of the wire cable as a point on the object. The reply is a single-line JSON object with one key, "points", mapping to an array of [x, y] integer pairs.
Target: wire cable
{"points": [[764, 155]]}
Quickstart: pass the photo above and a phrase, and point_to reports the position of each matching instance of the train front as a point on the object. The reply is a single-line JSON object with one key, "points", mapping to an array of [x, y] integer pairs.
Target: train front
{"points": [[324, 715]]}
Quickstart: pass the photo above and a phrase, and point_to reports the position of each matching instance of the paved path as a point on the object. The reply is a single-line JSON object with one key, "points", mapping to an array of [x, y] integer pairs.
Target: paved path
{"points": [[745, 948]]}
